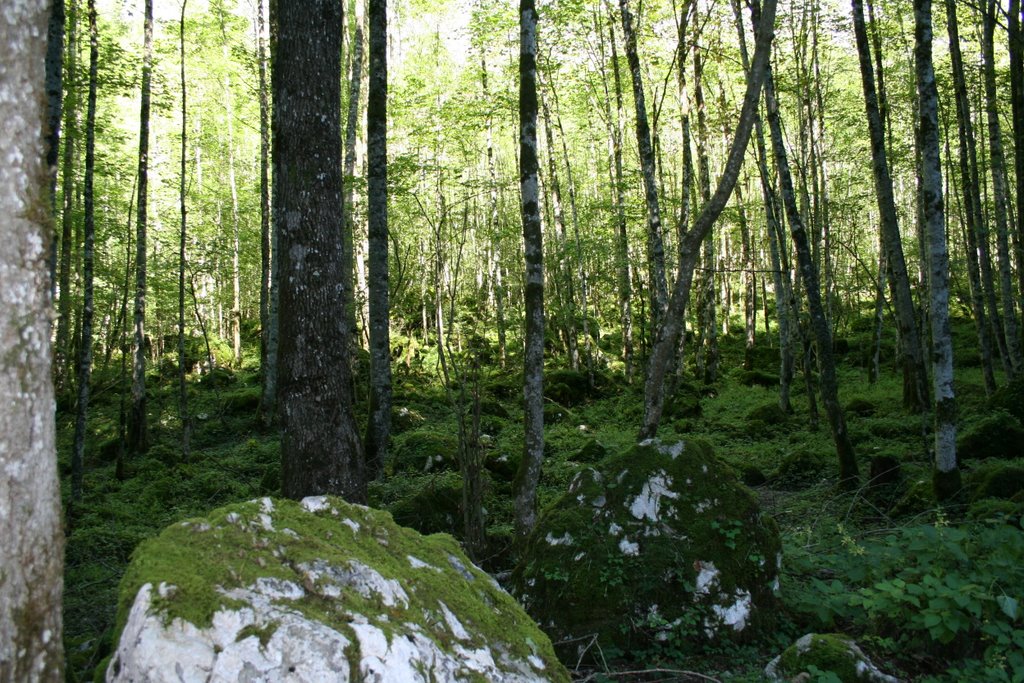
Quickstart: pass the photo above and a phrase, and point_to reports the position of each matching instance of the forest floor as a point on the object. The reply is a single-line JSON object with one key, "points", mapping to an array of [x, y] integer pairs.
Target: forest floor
{"points": [[928, 592]]}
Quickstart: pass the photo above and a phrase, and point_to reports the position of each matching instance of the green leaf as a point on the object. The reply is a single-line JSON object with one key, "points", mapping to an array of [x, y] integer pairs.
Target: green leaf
{"points": [[1010, 606]]}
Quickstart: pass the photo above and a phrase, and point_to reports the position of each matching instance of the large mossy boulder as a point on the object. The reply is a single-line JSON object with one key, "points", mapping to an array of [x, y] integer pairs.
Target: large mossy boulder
{"points": [[996, 435], [815, 656], [655, 544], [425, 450], [318, 591]]}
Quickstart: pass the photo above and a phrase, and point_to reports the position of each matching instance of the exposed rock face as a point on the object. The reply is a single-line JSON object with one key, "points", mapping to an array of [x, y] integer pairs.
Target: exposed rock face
{"points": [[659, 543], [829, 652], [319, 591]]}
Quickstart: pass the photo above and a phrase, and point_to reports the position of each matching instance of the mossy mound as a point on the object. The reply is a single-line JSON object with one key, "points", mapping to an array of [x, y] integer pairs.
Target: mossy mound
{"points": [[425, 450], [996, 480], [315, 591], [404, 419], [592, 451], [654, 544], [767, 415], [861, 407], [799, 469], [567, 387], [758, 378], [884, 469], [1010, 398], [435, 507], [829, 653], [242, 401], [996, 435], [683, 406]]}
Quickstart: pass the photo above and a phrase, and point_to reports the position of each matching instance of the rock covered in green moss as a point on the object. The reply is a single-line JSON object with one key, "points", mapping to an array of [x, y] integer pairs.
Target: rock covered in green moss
{"points": [[827, 653], [997, 434], [660, 542], [318, 591]]}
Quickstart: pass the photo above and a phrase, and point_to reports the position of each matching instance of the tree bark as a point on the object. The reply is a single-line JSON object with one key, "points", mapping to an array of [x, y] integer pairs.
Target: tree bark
{"points": [[528, 475], [378, 431], [63, 344], [320, 448], [268, 252], [138, 437], [946, 473], [85, 347], [31, 563], [915, 375], [999, 191], [183, 415], [655, 244], [668, 333], [54, 103], [351, 131]]}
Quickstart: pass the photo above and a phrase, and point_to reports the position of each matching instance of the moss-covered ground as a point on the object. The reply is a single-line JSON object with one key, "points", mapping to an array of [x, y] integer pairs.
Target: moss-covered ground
{"points": [[928, 592]]}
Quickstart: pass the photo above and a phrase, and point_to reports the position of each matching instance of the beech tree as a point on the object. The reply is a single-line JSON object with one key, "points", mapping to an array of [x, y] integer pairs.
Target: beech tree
{"points": [[31, 647], [320, 447]]}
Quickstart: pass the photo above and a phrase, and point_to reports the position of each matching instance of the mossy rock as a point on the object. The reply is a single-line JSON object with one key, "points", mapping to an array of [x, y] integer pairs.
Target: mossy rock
{"points": [[682, 406], [314, 591], [800, 469], [504, 465], [244, 401], [752, 475], [659, 542], [767, 414], [758, 378], [920, 497], [425, 450], [218, 378], [996, 480], [492, 408], [554, 413], [1010, 398], [590, 452], [996, 435], [567, 387], [829, 653], [404, 419], [436, 507], [861, 407]]}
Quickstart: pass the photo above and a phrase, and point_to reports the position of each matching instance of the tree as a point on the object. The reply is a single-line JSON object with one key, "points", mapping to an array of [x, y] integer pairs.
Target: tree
{"points": [[268, 257], [378, 430], [320, 447], [30, 521], [183, 415], [85, 347], [138, 439], [533, 360], [946, 473], [668, 333]]}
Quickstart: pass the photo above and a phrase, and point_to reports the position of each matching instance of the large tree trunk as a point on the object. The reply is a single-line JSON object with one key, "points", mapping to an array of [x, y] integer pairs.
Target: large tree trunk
{"points": [[138, 437], [655, 244], [85, 347], [320, 447], [378, 430], [668, 333], [947, 475], [31, 647], [809, 276], [915, 376], [533, 360]]}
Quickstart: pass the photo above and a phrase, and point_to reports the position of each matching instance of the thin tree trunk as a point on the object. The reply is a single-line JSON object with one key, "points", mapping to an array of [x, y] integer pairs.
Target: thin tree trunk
{"points": [[1016, 40], [351, 131], [946, 473], [809, 275], [667, 339], [31, 564], [655, 245], [236, 285], [999, 191], [378, 430], [533, 361], [138, 437], [915, 376], [85, 347], [492, 220], [63, 344], [183, 415], [268, 253], [707, 348], [54, 103]]}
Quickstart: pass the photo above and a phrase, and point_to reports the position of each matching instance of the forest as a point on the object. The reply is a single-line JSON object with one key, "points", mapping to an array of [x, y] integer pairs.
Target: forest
{"points": [[696, 323]]}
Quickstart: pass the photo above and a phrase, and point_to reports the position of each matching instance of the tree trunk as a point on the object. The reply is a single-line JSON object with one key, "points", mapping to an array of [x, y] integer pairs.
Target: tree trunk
{"points": [[915, 375], [971, 200], [655, 245], [54, 102], [351, 131], [809, 276], [320, 448], [946, 473], [268, 252], [236, 285], [667, 339], [999, 191], [378, 430], [707, 348], [31, 647], [1017, 109], [63, 344], [533, 361], [183, 415], [85, 347], [138, 437]]}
